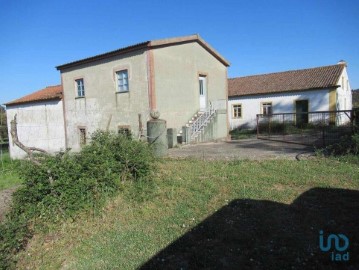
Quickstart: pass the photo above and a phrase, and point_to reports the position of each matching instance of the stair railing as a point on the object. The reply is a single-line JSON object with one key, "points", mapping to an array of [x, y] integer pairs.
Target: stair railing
{"points": [[198, 125]]}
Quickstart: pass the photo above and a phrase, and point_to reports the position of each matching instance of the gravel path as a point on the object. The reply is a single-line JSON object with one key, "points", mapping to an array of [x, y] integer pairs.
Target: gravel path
{"points": [[5, 200]]}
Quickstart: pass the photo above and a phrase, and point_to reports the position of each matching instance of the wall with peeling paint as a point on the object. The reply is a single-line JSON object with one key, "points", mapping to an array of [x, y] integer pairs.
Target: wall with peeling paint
{"points": [[40, 124], [103, 106]]}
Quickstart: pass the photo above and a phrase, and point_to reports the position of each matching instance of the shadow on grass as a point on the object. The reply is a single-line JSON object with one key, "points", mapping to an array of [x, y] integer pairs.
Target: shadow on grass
{"points": [[250, 234]]}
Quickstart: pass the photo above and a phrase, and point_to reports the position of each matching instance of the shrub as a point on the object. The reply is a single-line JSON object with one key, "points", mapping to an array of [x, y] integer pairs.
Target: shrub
{"points": [[347, 149], [66, 183]]}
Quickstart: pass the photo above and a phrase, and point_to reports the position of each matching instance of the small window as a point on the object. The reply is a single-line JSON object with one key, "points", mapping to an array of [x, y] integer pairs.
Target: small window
{"points": [[80, 87], [267, 108], [125, 130], [122, 81], [237, 111], [82, 132]]}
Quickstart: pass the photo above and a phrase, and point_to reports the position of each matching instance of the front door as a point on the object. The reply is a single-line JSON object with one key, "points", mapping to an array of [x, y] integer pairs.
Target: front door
{"points": [[301, 109], [202, 93]]}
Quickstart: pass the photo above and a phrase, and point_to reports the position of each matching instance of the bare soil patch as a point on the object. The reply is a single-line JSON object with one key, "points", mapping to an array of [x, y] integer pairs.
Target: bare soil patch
{"points": [[5, 200]]}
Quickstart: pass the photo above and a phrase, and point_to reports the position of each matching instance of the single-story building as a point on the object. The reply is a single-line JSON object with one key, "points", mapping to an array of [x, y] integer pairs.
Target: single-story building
{"points": [[40, 121], [323, 88]]}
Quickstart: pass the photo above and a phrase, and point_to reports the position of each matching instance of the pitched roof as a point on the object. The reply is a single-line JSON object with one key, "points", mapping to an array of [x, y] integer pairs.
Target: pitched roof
{"points": [[149, 45], [48, 93], [293, 80]]}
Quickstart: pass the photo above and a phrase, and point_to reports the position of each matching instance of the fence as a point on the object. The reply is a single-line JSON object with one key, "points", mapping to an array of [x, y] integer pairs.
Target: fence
{"points": [[311, 128]]}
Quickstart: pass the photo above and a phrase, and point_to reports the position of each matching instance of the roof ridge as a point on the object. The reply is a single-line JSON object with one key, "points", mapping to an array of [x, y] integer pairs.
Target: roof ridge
{"points": [[148, 45], [286, 71]]}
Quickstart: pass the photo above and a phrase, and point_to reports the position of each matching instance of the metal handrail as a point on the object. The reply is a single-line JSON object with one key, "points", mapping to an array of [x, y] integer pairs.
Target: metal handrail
{"points": [[201, 121]]}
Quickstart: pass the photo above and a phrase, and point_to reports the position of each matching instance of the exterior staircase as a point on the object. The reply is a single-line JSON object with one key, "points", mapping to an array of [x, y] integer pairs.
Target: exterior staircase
{"points": [[195, 127]]}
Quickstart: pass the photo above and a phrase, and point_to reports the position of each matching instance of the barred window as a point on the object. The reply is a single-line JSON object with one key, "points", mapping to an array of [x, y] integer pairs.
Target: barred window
{"points": [[125, 130], [82, 133]]}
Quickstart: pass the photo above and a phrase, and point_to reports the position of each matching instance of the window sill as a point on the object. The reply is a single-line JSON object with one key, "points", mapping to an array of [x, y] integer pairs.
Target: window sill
{"points": [[79, 97], [122, 92]]}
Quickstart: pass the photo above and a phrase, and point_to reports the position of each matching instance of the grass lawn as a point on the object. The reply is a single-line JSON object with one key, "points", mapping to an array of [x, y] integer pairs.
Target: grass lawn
{"points": [[8, 175], [214, 215]]}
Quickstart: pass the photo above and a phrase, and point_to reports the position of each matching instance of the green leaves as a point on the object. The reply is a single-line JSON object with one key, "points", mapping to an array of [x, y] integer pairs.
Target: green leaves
{"points": [[67, 183]]}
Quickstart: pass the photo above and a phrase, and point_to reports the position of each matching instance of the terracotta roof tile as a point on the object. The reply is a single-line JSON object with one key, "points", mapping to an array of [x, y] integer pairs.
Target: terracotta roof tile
{"points": [[48, 93], [294, 80]]}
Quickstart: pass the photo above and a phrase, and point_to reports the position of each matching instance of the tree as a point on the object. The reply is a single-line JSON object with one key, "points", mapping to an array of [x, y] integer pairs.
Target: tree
{"points": [[355, 95]]}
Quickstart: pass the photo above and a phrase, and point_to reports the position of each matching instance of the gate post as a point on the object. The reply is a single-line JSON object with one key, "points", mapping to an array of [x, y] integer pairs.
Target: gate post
{"points": [[257, 126]]}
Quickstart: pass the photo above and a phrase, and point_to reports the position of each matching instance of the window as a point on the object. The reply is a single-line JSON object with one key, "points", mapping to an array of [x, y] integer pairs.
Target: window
{"points": [[80, 87], [125, 130], [237, 111], [122, 80], [201, 90], [82, 132], [267, 108]]}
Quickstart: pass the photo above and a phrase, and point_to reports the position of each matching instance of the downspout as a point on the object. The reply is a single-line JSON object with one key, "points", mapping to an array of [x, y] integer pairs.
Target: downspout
{"points": [[151, 80], [64, 112]]}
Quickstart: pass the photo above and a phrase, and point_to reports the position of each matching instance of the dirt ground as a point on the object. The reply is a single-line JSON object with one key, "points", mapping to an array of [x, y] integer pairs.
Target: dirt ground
{"points": [[5, 199], [252, 149]]}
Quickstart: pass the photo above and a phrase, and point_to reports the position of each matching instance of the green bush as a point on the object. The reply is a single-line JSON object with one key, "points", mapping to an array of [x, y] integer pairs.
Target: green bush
{"points": [[67, 183], [347, 147], [242, 133]]}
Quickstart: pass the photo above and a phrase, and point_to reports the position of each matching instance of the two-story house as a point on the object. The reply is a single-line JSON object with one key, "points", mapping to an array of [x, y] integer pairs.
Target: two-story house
{"points": [[178, 77]]}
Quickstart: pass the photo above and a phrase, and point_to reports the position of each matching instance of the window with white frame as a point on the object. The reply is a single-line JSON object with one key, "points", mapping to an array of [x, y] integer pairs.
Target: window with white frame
{"points": [[237, 110], [267, 108], [80, 87], [122, 81]]}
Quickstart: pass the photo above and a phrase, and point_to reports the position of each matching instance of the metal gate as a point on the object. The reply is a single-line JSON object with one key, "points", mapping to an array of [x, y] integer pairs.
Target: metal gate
{"points": [[309, 128]]}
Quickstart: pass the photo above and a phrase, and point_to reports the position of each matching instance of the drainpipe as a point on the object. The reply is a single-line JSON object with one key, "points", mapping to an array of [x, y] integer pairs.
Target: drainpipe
{"points": [[151, 80]]}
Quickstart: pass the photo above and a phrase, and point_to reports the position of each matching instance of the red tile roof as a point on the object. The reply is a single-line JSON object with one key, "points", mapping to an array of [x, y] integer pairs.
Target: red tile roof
{"points": [[294, 80], [48, 93]]}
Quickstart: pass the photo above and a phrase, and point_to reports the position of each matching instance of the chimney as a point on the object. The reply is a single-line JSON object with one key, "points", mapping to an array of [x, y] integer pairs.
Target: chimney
{"points": [[342, 62]]}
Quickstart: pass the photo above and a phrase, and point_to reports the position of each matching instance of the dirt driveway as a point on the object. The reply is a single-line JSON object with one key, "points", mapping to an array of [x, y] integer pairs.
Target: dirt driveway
{"points": [[5, 200], [253, 149]]}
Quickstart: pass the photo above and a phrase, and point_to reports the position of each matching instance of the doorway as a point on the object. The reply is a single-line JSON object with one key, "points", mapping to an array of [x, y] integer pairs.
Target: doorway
{"points": [[301, 110], [202, 93]]}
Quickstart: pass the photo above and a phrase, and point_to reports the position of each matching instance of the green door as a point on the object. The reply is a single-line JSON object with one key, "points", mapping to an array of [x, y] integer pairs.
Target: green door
{"points": [[301, 109]]}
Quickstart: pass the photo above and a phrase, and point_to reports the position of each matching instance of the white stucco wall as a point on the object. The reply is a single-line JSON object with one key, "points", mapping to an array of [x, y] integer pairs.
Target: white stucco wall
{"points": [[344, 93], [40, 124], [319, 100], [281, 103]]}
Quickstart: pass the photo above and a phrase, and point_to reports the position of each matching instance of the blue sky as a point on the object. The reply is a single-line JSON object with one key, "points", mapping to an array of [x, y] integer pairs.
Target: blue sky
{"points": [[255, 36]]}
